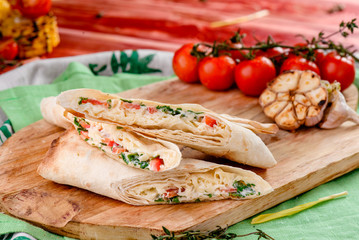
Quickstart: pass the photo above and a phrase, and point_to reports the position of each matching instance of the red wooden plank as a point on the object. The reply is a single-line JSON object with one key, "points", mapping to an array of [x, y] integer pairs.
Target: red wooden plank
{"points": [[165, 24]]}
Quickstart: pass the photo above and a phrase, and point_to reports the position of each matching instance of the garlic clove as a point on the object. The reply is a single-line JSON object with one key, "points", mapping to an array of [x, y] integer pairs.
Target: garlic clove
{"points": [[314, 115], [273, 109], [286, 119], [267, 97], [308, 81], [285, 82], [317, 97], [339, 111], [300, 111], [302, 99]]}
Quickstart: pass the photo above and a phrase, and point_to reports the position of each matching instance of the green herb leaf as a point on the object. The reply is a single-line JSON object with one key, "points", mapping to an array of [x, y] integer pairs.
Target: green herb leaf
{"points": [[94, 66], [114, 64], [134, 68], [109, 103], [219, 233], [136, 64], [143, 64], [166, 231], [123, 61], [82, 99], [124, 158], [125, 100], [159, 200]]}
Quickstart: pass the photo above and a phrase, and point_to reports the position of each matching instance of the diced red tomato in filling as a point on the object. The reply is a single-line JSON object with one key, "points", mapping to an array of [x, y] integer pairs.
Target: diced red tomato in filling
{"points": [[172, 192], [84, 135], [151, 110], [110, 142], [94, 102], [84, 124], [229, 190], [156, 163], [209, 121], [118, 150], [131, 105]]}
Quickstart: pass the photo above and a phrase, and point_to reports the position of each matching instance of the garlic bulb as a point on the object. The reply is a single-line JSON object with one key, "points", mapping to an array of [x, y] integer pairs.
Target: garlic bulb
{"points": [[295, 98]]}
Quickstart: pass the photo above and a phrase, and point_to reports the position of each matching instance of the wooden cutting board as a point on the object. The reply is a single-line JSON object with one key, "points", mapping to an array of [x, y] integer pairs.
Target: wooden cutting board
{"points": [[306, 158]]}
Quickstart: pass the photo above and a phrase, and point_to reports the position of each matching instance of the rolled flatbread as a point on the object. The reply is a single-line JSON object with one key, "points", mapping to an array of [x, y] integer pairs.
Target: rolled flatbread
{"points": [[54, 113], [73, 162], [128, 148], [188, 124]]}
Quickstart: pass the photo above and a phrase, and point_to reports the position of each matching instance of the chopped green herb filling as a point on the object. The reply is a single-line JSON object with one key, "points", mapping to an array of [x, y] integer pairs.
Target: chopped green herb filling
{"points": [[194, 112], [174, 199], [79, 127], [109, 102], [243, 189], [82, 99], [125, 100], [169, 110], [133, 158], [159, 200], [178, 111]]}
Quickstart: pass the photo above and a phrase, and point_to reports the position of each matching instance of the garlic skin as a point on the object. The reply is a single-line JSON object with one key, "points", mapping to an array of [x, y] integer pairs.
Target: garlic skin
{"points": [[295, 98], [339, 111]]}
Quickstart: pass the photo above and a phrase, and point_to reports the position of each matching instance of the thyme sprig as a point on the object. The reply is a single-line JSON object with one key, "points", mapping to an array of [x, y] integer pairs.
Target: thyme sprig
{"points": [[307, 50], [219, 233]]}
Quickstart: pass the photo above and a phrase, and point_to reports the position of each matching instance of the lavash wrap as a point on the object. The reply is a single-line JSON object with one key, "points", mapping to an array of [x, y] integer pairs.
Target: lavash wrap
{"points": [[169, 152], [73, 162], [233, 141]]}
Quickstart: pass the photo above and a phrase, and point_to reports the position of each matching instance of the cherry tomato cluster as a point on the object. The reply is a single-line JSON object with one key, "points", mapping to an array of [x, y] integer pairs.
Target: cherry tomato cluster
{"points": [[220, 71]]}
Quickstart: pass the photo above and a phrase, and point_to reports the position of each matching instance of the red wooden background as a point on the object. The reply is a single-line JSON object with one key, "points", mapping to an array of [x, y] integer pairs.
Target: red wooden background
{"points": [[88, 26]]}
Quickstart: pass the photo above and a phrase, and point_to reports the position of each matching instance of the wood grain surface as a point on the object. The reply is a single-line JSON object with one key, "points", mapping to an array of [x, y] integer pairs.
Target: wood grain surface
{"points": [[88, 26], [81, 214]]}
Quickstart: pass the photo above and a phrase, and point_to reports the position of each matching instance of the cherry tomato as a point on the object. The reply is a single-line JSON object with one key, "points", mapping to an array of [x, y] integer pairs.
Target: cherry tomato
{"points": [[236, 55], [319, 57], [33, 8], [335, 67], [8, 49], [185, 65], [299, 63], [272, 52], [252, 76], [217, 73]]}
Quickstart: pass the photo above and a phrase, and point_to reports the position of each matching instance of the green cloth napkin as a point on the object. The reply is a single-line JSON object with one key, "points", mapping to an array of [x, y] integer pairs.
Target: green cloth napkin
{"points": [[10, 225], [21, 104]]}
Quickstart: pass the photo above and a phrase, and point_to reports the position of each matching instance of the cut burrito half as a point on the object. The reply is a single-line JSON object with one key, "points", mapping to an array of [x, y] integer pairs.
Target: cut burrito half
{"points": [[188, 124], [73, 162], [126, 147]]}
